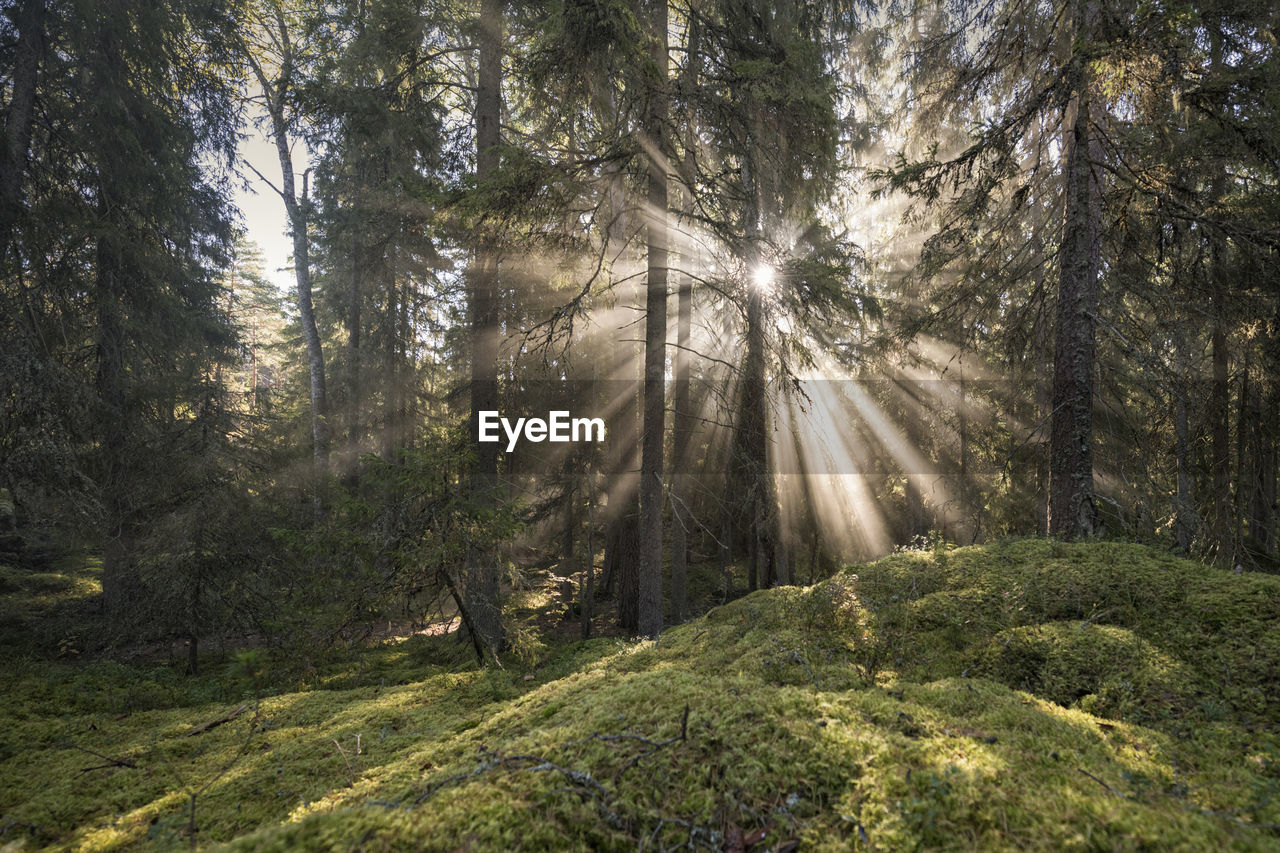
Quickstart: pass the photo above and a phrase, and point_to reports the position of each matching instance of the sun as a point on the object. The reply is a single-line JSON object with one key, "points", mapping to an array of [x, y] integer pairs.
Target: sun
{"points": [[762, 277]]}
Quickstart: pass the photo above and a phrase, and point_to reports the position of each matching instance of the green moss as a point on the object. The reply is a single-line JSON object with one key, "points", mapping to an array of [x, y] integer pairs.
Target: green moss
{"points": [[1026, 695], [46, 611], [1106, 670]]}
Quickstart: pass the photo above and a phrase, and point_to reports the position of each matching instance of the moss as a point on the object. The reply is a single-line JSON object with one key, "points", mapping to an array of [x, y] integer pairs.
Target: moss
{"points": [[1207, 635], [47, 611], [1023, 695], [1106, 670]]}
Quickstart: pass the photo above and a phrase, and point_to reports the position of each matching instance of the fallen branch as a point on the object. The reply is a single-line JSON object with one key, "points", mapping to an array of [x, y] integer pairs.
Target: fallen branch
{"points": [[213, 724], [111, 762], [351, 773], [588, 787], [1224, 815], [653, 745], [1119, 794]]}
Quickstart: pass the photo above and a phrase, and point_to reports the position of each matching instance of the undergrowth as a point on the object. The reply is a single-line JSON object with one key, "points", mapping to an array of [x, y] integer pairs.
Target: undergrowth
{"points": [[1027, 694]]}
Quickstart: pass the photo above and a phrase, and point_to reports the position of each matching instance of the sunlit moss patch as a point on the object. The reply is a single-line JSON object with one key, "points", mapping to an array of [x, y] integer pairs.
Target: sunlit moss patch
{"points": [[1027, 695]]}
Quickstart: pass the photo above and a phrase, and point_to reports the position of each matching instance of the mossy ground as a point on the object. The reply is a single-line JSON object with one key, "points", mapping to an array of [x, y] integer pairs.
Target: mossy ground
{"points": [[1021, 695], [45, 607]]}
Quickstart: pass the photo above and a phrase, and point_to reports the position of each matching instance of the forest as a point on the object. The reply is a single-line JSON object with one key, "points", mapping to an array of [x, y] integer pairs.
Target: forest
{"points": [[639, 424]]}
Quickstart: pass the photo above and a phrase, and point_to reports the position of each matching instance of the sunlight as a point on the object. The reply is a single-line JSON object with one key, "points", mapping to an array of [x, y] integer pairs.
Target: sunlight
{"points": [[762, 278]]}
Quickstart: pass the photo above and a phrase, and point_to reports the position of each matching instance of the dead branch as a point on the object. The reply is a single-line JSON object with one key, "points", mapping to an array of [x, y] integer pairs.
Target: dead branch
{"points": [[213, 724], [111, 762]]}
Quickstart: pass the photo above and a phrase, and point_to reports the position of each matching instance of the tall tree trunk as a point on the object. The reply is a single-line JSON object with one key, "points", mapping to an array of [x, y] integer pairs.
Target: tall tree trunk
{"points": [[1073, 510], [298, 221], [1219, 440], [253, 362], [275, 96], [682, 432], [1220, 392], [621, 546], [481, 592], [1245, 466], [1257, 463], [1267, 473], [655, 338], [120, 586], [355, 425], [1184, 502], [390, 363], [587, 592], [17, 120], [751, 439], [408, 386], [682, 419], [966, 508]]}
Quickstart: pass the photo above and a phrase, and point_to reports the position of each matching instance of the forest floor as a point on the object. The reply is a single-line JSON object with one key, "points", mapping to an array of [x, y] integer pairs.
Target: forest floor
{"points": [[1027, 694]]}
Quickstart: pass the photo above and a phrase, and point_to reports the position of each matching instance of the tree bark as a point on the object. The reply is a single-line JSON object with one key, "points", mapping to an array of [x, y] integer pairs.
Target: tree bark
{"points": [[1219, 438], [1073, 510], [296, 208], [17, 122], [120, 586], [1257, 462], [306, 312], [1184, 503], [481, 594], [587, 592], [355, 426], [621, 544], [391, 362], [1245, 473], [655, 338], [682, 418], [1220, 391]]}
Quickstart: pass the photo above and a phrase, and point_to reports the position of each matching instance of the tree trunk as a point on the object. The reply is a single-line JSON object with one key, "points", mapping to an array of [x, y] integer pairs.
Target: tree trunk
{"points": [[408, 387], [751, 439], [749, 474], [298, 220], [1245, 470], [297, 209], [726, 555], [1219, 440], [1073, 510], [1220, 391], [682, 419], [391, 366], [1267, 474], [587, 592], [355, 426], [1184, 509], [17, 122], [655, 339], [966, 514], [120, 584], [1259, 461], [481, 587], [119, 587], [621, 545]]}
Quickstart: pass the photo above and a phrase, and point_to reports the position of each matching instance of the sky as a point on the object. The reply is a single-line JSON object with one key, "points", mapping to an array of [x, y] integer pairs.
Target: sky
{"points": [[261, 209]]}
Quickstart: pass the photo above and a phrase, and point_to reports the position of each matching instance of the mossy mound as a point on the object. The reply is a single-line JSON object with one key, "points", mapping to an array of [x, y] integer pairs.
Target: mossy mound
{"points": [[844, 716], [1159, 636], [1103, 669]]}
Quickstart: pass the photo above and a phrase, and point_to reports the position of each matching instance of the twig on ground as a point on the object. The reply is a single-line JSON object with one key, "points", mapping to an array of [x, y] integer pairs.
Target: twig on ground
{"points": [[213, 724], [111, 762], [351, 773]]}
